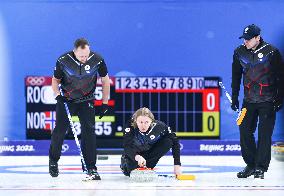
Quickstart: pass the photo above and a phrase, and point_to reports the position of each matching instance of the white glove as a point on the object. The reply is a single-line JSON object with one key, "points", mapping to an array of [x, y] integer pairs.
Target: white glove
{"points": [[141, 161], [177, 169]]}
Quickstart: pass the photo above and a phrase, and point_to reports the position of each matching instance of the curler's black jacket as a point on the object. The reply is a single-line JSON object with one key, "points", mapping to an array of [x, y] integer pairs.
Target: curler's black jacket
{"points": [[136, 142], [78, 80], [262, 70]]}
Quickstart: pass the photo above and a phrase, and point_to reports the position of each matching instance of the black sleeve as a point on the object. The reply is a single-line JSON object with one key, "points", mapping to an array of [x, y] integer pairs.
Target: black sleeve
{"points": [[237, 71], [175, 147], [102, 69], [128, 135], [58, 73], [278, 70]]}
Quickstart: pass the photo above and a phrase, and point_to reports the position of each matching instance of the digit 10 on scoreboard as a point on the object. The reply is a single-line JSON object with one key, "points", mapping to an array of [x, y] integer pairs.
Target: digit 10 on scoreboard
{"points": [[190, 105]]}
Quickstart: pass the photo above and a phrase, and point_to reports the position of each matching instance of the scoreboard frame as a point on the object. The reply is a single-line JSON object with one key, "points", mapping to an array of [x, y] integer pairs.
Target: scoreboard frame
{"points": [[206, 87], [200, 97]]}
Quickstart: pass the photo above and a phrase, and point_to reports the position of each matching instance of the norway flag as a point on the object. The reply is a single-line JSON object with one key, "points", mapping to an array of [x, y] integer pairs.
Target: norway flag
{"points": [[50, 118]]}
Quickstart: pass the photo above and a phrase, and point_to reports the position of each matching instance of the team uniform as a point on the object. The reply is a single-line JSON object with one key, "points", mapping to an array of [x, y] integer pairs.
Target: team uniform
{"points": [[262, 71], [152, 145], [78, 82]]}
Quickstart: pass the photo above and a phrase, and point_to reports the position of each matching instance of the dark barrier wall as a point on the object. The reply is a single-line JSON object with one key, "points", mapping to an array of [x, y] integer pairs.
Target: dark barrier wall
{"points": [[136, 37]]}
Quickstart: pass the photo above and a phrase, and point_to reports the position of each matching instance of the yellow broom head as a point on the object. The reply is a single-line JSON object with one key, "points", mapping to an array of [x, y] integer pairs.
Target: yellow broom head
{"points": [[241, 116], [185, 177]]}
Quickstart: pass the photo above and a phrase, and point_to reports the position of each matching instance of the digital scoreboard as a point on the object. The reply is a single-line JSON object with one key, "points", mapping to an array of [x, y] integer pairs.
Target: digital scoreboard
{"points": [[190, 105]]}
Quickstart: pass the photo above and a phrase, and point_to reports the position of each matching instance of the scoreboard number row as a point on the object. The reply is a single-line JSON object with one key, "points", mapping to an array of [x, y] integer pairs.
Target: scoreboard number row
{"points": [[152, 83]]}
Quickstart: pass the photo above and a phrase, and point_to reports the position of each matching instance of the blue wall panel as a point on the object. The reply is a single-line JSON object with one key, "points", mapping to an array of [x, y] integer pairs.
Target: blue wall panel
{"points": [[194, 38]]}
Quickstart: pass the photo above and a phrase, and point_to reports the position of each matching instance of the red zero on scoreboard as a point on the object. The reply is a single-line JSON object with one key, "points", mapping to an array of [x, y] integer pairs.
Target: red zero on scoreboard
{"points": [[210, 100]]}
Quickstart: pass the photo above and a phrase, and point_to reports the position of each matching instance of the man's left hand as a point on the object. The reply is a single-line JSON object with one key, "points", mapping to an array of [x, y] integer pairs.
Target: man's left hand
{"points": [[177, 170]]}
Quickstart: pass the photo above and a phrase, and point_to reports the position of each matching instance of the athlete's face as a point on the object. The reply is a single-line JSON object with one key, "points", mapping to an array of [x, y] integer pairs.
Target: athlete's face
{"points": [[82, 54], [252, 43], [143, 123]]}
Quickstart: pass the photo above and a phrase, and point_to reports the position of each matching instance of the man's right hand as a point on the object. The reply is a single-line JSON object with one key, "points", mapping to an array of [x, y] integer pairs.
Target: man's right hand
{"points": [[235, 103], [141, 161], [62, 99]]}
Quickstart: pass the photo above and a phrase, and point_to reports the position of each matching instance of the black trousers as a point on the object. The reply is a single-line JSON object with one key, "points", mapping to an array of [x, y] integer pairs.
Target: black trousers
{"points": [[151, 156], [86, 114], [257, 155]]}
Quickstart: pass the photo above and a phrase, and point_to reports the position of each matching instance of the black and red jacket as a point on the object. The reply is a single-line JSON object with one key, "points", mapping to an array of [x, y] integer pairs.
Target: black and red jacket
{"points": [[262, 71], [78, 80]]}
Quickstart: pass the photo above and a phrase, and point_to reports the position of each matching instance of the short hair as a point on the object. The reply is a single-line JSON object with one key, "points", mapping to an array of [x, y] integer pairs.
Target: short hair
{"points": [[141, 112], [81, 43]]}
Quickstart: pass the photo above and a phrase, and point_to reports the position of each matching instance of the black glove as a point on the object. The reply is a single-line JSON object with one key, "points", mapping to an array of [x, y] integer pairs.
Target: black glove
{"points": [[235, 103], [62, 99], [277, 104], [103, 110]]}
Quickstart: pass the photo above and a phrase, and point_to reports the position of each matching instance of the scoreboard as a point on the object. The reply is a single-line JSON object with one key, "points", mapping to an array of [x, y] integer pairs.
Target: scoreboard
{"points": [[190, 105]]}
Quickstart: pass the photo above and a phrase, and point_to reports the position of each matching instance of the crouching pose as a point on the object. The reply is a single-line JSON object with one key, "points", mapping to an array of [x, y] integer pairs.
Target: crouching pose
{"points": [[145, 141]]}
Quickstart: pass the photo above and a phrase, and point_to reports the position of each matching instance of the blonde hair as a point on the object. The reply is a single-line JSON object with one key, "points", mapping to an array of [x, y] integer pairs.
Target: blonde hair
{"points": [[141, 112]]}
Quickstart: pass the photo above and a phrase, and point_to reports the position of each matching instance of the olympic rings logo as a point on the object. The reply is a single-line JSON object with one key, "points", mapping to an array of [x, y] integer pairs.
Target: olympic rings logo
{"points": [[35, 81]]}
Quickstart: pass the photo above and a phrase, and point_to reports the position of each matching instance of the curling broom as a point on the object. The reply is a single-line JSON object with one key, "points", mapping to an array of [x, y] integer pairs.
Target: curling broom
{"points": [[147, 174], [185, 177], [242, 113], [179, 177]]}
